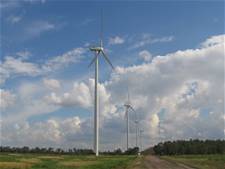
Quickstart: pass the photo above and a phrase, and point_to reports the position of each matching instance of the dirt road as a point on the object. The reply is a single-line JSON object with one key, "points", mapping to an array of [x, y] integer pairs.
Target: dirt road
{"points": [[153, 162]]}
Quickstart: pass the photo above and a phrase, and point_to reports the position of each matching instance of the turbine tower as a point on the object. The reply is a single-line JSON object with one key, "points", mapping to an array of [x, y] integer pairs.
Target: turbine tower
{"points": [[141, 131], [159, 130], [136, 126], [127, 108], [98, 51]]}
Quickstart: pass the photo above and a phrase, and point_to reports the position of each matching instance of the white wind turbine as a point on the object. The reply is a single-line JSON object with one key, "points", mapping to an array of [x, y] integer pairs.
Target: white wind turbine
{"points": [[98, 50], [128, 107]]}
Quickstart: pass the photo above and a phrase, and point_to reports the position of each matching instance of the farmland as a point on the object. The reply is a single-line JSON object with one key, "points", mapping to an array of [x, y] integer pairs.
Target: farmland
{"points": [[39, 161]]}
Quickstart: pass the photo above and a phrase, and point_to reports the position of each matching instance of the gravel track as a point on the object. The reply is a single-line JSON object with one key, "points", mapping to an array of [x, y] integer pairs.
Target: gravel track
{"points": [[154, 162]]}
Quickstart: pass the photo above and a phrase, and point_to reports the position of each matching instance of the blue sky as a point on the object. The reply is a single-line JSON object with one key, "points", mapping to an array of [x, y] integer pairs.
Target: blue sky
{"points": [[77, 23], [44, 51]]}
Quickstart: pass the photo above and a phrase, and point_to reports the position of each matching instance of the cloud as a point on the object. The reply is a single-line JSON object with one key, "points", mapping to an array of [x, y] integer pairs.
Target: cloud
{"points": [[11, 4], [52, 132], [19, 66], [154, 121], [212, 41], [72, 56], [4, 74], [86, 21], [81, 95], [52, 84], [145, 55], [147, 39], [7, 99], [29, 102], [194, 113], [78, 96], [116, 40], [24, 54], [153, 125], [182, 86], [35, 1], [13, 65], [177, 90], [14, 19], [36, 28]]}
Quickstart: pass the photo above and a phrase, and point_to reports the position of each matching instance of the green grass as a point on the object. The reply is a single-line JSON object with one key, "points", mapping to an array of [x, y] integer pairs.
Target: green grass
{"points": [[200, 161], [38, 161]]}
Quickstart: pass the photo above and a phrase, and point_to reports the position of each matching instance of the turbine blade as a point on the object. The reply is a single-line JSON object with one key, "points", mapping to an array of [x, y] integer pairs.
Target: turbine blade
{"points": [[101, 43], [128, 95], [125, 116], [93, 60], [101, 29], [107, 59]]}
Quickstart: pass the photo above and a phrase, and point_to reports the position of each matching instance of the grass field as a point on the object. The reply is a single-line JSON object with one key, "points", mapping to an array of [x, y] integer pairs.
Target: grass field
{"points": [[34, 161], [39, 161], [200, 161]]}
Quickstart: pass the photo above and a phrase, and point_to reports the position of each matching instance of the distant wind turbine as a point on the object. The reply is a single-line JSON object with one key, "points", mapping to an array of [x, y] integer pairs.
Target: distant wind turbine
{"points": [[128, 107], [98, 50]]}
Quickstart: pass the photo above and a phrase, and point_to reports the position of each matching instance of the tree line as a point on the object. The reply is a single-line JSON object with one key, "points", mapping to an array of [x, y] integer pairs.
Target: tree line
{"points": [[179, 147], [50, 150], [182, 147], [73, 151]]}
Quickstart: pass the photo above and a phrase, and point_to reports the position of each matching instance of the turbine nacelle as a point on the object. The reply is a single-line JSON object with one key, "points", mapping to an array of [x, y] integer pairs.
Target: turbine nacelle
{"points": [[127, 105], [97, 49], [100, 50]]}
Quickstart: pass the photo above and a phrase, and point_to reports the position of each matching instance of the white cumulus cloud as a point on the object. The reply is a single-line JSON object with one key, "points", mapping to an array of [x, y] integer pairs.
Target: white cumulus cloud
{"points": [[20, 66], [7, 99], [147, 39], [177, 90], [51, 83], [145, 55], [36, 28], [116, 40]]}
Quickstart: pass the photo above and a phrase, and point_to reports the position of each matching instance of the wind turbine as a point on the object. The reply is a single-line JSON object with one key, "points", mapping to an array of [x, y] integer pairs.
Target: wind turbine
{"points": [[98, 51], [128, 107]]}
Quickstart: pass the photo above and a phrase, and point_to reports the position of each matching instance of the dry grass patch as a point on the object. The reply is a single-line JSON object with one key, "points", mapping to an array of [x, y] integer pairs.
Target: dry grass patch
{"points": [[30, 160], [91, 157], [14, 154], [51, 157], [78, 163], [14, 165]]}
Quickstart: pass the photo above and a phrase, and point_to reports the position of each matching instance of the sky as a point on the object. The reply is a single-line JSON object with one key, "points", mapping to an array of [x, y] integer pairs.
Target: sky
{"points": [[168, 54]]}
